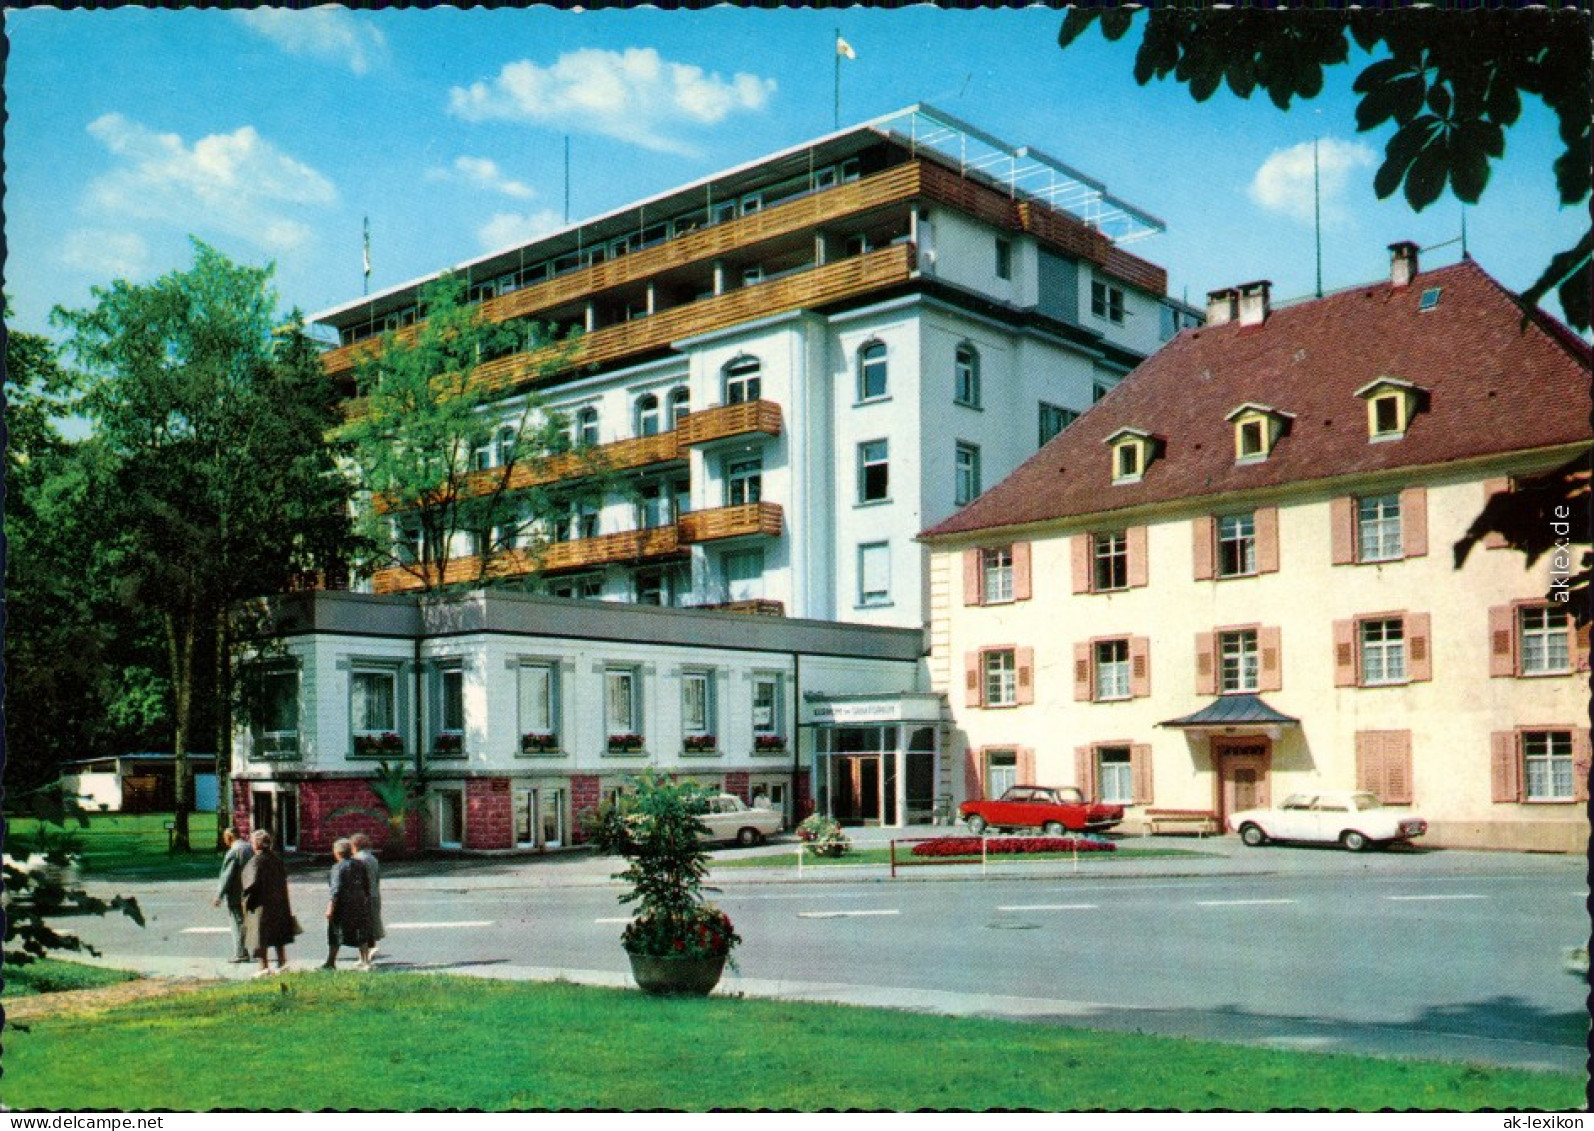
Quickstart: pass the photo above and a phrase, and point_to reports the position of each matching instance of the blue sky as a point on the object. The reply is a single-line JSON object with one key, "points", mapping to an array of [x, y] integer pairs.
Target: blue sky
{"points": [[272, 134]]}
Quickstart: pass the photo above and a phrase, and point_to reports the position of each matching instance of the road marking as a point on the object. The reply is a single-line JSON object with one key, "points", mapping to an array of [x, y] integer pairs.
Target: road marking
{"points": [[207, 930], [1416, 898], [1242, 902], [842, 914], [438, 926], [1050, 907], [627, 919]]}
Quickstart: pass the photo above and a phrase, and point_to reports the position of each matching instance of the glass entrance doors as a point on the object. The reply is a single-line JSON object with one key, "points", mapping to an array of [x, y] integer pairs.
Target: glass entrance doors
{"points": [[878, 775], [539, 817]]}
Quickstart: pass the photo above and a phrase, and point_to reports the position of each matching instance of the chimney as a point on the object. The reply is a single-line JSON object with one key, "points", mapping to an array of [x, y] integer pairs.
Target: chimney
{"points": [[1222, 306], [1254, 302], [1402, 263]]}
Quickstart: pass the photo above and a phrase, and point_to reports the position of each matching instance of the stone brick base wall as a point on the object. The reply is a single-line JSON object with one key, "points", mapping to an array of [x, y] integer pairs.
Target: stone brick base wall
{"points": [[739, 783], [318, 800], [489, 813], [586, 792], [803, 796]]}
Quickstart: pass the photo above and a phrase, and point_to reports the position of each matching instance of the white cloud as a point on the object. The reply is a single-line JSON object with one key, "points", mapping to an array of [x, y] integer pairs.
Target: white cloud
{"points": [[238, 182], [634, 95], [483, 173], [123, 255], [507, 228], [1284, 182], [327, 32]]}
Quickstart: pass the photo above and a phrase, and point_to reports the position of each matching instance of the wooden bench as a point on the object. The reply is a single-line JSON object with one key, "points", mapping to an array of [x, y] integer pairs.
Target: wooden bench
{"points": [[1202, 822]]}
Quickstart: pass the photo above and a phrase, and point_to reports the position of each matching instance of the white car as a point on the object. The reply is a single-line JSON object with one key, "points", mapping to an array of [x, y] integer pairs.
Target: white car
{"points": [[728, 818], [1356, 820]]}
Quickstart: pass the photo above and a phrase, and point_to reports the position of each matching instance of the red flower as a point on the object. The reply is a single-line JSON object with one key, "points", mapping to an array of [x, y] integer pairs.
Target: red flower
{"points": [[680, 944]]}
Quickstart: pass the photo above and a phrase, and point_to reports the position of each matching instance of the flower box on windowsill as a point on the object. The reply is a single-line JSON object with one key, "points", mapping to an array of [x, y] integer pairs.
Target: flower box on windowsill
{"points": [[388, 745], [700, 746], [278, 747], [769, 744], [624, 745], [448, 745], [540, 745]]}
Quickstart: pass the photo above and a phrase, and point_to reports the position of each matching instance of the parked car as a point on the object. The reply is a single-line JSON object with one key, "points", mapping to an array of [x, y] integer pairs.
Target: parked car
{"points": [[1052, 809], [1354, 819], [729, 818]]}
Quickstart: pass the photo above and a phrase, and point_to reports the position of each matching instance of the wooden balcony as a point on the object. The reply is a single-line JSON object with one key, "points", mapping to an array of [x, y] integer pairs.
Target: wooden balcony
{"points": [[722, 421], [731, 522], [629, 546], [756, 606]]}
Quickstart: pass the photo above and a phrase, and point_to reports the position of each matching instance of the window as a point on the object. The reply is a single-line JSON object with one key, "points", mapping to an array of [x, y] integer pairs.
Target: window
{"points": [[587, 426], [653, 506], [1004, 259], [1001, 771], [647, 415], [1429, 299], [1000, 678], [768, 704], [1107, 301], [966, 376], [872, 371], [966, 474], [448, 727], [1378, 529], [742, 381], [1383, 652], [1386, 416], [1110, 558], [1251, 441], [1115, 780], [744, 481], [744, 575], [1545, 641], [1238, 661], [996, 575], [278, 729], [373, 711], [621, 711], [1053, 419], [874, 472], [1236, 545], [652, 587], [680, 405], [697, 703], [538, 699], [1547, 765], [1112, 669], [1098, 390], [584, 587], [1126, 462], [874, 573]]}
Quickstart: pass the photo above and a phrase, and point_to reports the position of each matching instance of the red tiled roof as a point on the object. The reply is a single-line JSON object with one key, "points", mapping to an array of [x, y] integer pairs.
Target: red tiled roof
{"points": [[1494, 384]]}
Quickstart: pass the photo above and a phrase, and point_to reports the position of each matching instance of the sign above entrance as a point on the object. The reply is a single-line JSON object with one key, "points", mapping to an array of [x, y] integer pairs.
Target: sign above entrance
{"points": [[893, 709]]}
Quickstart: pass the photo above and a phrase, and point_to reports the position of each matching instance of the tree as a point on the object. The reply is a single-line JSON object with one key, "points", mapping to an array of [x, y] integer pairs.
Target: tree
{"points": [[441, 453], [399, 792], [1452, 84], [211, 471]]}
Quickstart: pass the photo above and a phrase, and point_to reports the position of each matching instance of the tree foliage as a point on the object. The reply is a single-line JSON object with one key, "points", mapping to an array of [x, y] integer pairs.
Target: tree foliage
{"points": [[437, 448], [1451, 84]]}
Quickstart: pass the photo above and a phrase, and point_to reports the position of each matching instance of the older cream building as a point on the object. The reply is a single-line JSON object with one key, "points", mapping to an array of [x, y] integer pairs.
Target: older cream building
{"points": [[1237, 576]]}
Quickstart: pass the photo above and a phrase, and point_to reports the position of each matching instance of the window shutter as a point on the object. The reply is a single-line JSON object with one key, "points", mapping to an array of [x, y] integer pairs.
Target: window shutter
{"points": [[1081, 562], [1139, 571], [1342, 520], [1580, 648], [1021, 571], [1085, 770], [1494, 540], [1505, 767], [1203, 532], [973, 790], [1026, 765], [1139, 666], [973, 579], [1397, 767], [1368, 777], [1502, 641], [1024, 662], [1082, 673], [1266, 522], [1206, 668], [1581, 757], [1140, 772], [974, 684], [1272, 674], [1414, 522], [1419, 647], [1344, 653]]}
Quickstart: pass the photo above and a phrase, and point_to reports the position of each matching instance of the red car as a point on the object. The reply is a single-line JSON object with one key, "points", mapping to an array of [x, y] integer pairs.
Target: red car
{"points": [[1052, 809]]}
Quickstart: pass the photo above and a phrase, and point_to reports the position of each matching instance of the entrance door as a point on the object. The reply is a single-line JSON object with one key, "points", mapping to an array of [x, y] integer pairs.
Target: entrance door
{"points": [[1242, 774], [858, 787], [551, 813]]}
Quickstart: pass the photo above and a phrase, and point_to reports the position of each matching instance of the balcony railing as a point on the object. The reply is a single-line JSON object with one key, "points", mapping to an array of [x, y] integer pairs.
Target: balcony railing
{"points": [[731, 522], [727, 420]]}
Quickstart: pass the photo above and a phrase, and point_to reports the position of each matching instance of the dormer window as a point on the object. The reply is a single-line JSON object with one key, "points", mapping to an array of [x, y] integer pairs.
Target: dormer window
{"points": [[1132, 451], [1257, 428], [1391, 404]]}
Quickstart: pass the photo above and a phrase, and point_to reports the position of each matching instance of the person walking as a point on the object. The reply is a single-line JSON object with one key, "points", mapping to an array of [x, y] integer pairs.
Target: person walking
{"points": [[349, 908], [231, 887], [364, 854], [268, 918]]}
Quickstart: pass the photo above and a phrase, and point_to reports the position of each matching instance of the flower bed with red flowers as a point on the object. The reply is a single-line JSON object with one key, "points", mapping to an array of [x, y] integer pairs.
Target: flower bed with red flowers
{"points": [[1010, 845]]}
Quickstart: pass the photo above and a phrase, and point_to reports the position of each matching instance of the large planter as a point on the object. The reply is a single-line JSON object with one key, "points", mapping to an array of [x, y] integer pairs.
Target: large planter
{"points": [[676, 975]]}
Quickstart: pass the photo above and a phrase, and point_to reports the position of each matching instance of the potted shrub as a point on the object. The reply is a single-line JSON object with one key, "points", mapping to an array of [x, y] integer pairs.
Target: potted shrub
{"points": [[449, 742], [769, 743], [678, 942], [700, 743], [386, 745], [823, 834], [539, 742], [625, 743]]}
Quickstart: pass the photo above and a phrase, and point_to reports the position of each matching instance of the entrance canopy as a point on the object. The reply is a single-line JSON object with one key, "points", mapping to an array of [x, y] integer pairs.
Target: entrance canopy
{"points": [[1232, 713], [892, 707]]}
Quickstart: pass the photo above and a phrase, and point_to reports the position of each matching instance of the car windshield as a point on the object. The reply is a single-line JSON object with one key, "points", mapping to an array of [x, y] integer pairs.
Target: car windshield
{"points": [[1365, 801], [1299, 801]]}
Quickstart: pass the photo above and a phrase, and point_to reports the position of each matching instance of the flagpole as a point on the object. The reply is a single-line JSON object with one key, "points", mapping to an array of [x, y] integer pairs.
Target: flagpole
{"points": [[366, 287], [836, 52]]}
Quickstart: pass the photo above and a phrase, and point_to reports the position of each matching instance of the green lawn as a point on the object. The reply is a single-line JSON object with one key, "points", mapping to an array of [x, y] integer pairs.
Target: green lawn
{"points": [[118, 846], [904, 860], [435, 1041], [49, 975]]}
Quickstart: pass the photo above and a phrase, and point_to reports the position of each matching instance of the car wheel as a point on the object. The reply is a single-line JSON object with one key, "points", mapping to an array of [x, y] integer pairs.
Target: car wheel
{"points": [[1354, 841], [1054, 828], [976, 824], [749, 837], [1252, 835]]}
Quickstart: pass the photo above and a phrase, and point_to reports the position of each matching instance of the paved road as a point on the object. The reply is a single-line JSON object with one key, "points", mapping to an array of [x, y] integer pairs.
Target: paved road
{"points": [[1449, 955]]}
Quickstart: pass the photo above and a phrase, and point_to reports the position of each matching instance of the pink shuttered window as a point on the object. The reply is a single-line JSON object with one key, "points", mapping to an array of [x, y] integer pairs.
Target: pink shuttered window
{"points": [[1502, 641], [1021, 571], [973, 577], [1206, 665], [973, 680], [1419, 647], [1414, 522], [1345, 653], [1140, 771], [1342, 524], [1079, 552], [1026, 765], [1139, 666], [1582, 756], [1085, 770], [1383, 765], [1505, 767], [1139, 568], [1204, 532], [1025, 659], [973, 779], [1084, 666], [1267, 539], [1271, 667]]}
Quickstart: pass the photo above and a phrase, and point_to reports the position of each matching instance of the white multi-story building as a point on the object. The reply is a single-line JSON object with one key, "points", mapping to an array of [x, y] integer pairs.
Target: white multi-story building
{"points": [[799, 363]]}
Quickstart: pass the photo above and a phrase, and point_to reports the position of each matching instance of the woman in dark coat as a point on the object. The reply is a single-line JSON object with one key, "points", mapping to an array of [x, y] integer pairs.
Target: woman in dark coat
{"points": [[268, 919], [349, 908]]}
